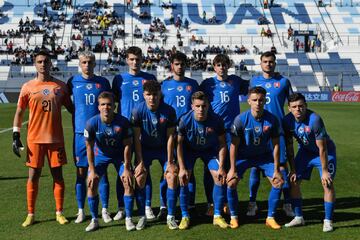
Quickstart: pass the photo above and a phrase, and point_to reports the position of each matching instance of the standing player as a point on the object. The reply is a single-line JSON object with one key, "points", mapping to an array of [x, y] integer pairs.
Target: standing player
{"points": [[177, 92], [44, 96], [85, 89], [109, 140], [128, 90], [316, 149], [223, 91], [154, 128], [127, 87], [252, 132], [278, 89], [201, 134]]}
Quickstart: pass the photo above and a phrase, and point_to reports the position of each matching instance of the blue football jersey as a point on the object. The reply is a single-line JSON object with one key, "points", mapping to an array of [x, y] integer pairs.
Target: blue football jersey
{"points": [[153, 125], [278, 90], [108, 137], [178, 94], [224, 96], [255, 135], [128, 90], [85, 98], [201, 136], [306, 133]]}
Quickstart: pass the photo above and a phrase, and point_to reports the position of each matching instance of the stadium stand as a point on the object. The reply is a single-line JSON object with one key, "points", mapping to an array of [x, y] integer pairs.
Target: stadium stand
{"points": [[326, 55]]}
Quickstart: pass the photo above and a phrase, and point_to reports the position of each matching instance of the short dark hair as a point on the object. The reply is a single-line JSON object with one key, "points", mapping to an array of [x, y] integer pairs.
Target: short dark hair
{"points": [[267, 54], [42, 52], [223, 59], [178, 56], [296, 97], [200, 95], [134, 50], [153, 87], [257, 90], [107, 95]]}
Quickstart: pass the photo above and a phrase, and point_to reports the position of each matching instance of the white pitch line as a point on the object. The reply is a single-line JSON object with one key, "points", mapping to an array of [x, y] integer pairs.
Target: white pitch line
{"points": [[8, 129]]}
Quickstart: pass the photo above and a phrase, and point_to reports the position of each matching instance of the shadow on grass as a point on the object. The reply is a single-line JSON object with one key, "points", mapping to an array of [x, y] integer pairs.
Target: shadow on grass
{"points": [[11, 178], [313, 210], [4, 178]]}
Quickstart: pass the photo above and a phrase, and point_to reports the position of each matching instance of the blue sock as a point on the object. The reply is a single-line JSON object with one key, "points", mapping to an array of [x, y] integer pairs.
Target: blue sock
{"points": [[104, 191], [233, 201], [140, 201], [297, 206], [192, 190], [184, 200], [148, 189], [218, 196], [208, 185], [254, 182], [129, 205], [163, 192], [171, 199], [286, 186], [329, 210], [94, 206], [273, 201], [80, 189], [119, 192]]}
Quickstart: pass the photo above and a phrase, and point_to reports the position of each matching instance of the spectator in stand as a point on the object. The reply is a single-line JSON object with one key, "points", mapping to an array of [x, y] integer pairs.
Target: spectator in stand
{"points": [[266, 4], [10, 47], [262, 20], [273, 49], [297, 45], [186, 24], [243, 49], [256, 50], [290, 32], [263, 32], [110, 45], [318, 44], [336, 88], [268, 33], [204, 16], [242, 66]]}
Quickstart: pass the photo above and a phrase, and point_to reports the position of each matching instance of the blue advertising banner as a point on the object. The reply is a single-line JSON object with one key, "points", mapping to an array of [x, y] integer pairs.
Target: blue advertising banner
{"points": [[317, 96]]}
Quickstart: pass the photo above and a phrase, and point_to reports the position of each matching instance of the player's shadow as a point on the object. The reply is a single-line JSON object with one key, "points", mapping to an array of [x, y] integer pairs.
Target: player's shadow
{"points": [[11, 178]]}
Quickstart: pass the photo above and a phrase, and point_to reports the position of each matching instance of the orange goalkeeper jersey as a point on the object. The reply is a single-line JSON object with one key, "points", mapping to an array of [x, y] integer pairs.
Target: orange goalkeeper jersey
{"points": [[44, 99]]}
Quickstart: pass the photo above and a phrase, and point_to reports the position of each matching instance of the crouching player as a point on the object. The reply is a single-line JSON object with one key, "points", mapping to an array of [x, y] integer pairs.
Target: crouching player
{"points": [[109, 140], [154, 127], [201, 134], [316, 149], [252, 132]]}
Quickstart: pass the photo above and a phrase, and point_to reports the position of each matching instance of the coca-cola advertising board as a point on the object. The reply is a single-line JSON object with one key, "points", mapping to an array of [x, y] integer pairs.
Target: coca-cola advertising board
{"points": [[345, 96]]}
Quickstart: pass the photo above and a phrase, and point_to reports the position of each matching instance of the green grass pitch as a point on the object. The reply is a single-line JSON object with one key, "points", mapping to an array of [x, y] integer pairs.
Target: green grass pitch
{"points": [[342, 121]]}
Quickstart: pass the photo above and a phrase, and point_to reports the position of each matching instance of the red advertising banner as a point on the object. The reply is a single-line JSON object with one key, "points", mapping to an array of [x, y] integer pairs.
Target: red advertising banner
{"points": [[345, 96]]}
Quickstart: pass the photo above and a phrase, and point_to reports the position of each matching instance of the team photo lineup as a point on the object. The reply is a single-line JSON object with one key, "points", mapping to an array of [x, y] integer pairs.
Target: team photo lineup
{"points": [[138, 119]]}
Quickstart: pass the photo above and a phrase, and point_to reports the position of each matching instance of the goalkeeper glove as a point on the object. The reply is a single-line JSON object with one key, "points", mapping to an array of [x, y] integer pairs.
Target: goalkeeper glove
{"points": [[17, 145]]}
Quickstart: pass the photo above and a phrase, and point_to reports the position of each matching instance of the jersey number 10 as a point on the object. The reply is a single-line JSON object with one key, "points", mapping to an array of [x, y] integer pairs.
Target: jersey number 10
{"points": [[89, 99]]}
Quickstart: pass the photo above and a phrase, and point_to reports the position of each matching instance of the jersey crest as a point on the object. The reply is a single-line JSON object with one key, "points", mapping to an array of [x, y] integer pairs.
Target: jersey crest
{"points": [[46, 92]]}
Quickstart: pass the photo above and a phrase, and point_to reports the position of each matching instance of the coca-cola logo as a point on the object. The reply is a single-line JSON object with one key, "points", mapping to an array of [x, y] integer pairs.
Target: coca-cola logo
{"points": [[348, 96]]}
